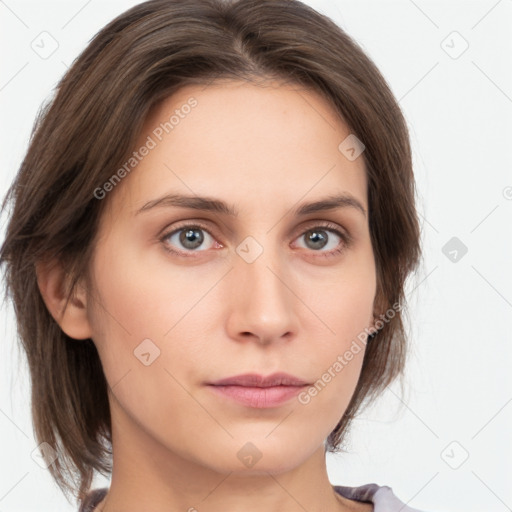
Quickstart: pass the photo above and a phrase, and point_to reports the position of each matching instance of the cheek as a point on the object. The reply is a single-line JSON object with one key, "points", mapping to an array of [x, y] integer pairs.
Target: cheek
{"points": [[143, 315], [343, 307], [338, 354], [130, 315], [137, 299], [341, 300]]}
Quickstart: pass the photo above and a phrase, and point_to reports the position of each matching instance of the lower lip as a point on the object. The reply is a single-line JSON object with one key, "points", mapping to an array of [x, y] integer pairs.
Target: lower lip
{"points": [[259, 398]]}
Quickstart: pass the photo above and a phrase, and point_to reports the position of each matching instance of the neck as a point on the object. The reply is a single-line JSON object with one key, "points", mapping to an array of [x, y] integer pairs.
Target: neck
{"points": [[149, 476]]}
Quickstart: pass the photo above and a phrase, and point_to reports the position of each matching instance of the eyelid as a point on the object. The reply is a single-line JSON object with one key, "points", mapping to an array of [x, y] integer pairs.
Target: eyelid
{"points": [[182, 225], [325, 224]]}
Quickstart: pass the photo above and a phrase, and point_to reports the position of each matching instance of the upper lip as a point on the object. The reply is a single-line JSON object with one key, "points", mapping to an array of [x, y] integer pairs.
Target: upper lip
{"points": [[259, 381]]}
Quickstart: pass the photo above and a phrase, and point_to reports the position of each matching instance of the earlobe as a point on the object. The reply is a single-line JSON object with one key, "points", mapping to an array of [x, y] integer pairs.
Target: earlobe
{"points": [[53, 283]]}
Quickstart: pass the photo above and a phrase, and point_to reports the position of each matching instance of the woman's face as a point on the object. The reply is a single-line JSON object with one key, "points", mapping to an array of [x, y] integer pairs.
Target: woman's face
{"points": [[209, 264]]}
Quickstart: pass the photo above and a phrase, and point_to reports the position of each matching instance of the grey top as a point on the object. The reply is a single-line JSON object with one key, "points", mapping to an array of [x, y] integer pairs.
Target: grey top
{"points": [[382, 497]]}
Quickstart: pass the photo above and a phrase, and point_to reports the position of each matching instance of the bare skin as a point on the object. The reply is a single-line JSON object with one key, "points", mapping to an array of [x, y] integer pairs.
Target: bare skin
{"points": [[212, 314]]}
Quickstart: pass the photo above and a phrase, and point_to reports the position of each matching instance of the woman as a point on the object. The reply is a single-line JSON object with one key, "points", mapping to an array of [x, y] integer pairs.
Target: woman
{"points": [[207, 251]]}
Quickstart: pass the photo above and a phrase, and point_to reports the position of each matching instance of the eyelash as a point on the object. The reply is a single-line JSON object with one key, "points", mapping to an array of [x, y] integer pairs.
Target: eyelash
{"points": [[327, 226]]}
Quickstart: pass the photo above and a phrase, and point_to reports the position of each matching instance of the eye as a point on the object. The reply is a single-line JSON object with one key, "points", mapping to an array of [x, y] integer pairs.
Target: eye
{"points": [[188, 238], [326, 239]]}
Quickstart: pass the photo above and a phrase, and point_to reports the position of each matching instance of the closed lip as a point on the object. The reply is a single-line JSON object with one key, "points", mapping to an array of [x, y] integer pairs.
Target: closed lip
{"points": [[259, 381]]}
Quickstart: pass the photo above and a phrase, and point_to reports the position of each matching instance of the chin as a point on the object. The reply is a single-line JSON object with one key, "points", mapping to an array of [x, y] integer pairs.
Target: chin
{"points": [[260, 456]]}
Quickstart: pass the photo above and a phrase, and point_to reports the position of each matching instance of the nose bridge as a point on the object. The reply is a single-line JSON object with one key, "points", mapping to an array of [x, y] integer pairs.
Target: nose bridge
{"points": [[263, 305]]}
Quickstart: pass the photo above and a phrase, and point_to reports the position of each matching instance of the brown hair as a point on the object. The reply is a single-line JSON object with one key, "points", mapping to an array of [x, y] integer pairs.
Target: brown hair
{"points": [[88, 130]]}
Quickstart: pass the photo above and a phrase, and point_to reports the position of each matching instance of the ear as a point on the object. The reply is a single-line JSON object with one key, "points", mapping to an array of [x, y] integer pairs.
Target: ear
{"points": [[53, 283]]}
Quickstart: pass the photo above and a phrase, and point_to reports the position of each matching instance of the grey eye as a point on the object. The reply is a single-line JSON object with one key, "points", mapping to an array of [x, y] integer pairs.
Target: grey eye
{"points": [[188, 238], [319, 238]]}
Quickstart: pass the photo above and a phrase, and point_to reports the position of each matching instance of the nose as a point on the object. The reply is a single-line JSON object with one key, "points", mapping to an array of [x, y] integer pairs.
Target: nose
{"points": [[262, 303]]}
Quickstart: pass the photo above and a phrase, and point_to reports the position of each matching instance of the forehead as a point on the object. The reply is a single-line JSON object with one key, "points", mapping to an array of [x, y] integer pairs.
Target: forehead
{"points": [[239, 139]]}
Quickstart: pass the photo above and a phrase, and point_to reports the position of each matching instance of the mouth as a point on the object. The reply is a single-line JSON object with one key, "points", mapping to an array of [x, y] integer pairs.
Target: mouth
{"points": [[256, 391]]}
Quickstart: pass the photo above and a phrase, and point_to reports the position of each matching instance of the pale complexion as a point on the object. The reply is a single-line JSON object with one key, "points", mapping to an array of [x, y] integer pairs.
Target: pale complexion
{"points": [[264, 151]]}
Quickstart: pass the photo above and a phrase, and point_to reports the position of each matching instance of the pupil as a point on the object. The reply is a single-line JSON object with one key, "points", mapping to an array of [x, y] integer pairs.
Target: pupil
{"points": [[318, 238], [192, 238]]}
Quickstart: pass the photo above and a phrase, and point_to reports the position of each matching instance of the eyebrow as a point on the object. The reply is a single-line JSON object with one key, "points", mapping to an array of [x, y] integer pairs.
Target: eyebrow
{"points": [[210, 204]]}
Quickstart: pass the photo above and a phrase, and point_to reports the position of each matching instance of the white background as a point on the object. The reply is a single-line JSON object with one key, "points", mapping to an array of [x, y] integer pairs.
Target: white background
{"points": [[459, 112]]}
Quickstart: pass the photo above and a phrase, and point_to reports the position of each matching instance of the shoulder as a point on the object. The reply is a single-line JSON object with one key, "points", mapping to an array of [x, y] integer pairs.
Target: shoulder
{"points": [[381, 496], [92, 499]]}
